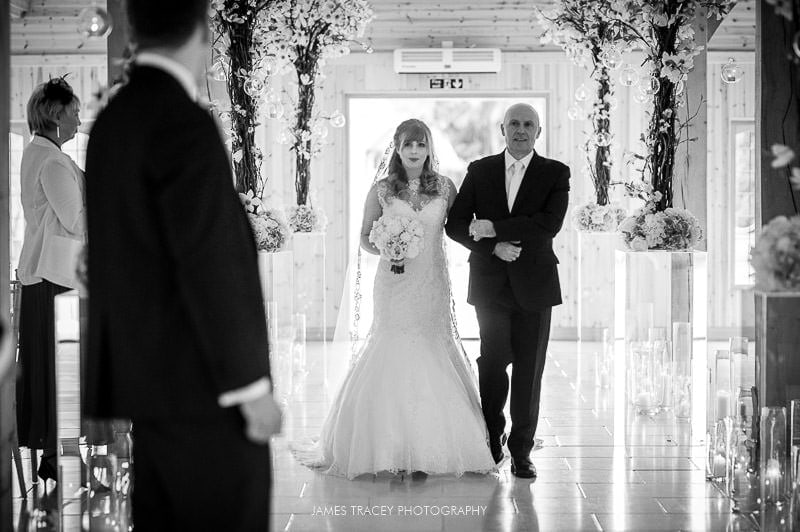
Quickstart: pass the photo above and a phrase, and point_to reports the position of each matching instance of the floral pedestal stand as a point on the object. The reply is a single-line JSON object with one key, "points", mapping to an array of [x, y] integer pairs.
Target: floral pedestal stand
{"points": [[596, 276], [656, 289], [309, 278], [276, 270]]}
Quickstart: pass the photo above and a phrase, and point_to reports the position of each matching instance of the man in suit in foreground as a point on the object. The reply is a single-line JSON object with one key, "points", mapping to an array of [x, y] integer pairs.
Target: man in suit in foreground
{"points": [[177, 331], [507, 212]]}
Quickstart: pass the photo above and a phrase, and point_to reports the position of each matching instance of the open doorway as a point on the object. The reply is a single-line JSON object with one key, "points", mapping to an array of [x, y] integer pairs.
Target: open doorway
{"points": [[464, 129]]}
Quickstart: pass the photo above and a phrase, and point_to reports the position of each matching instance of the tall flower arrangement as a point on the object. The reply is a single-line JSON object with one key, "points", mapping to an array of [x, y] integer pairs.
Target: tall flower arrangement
{"points": [[664, 30], [590, 33], [302, 36], [242, 61]]}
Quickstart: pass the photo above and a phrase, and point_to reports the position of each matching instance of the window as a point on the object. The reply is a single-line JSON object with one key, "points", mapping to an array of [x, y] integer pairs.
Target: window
{"points": [[743, 153]]}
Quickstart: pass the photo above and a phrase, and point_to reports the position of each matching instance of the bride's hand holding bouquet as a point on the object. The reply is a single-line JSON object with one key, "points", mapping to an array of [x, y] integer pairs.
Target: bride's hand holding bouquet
{"points": [[397, 238]]}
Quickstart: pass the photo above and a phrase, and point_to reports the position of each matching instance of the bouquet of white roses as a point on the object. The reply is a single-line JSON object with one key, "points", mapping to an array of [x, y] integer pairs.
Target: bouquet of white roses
{"points": [[397, 238]]}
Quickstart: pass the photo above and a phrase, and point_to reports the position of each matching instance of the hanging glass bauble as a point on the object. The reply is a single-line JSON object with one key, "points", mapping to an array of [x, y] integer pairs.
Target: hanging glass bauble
{"points": [[679, 87], [650, 86], [641, 96], [731, 72], [611, 59], [337, 119], [602, 139], [581, 93], [629, 77], [285, 137], [575, 112], [254, 87], [274, 110], [217, 71], [225, 117], [94, 22]]}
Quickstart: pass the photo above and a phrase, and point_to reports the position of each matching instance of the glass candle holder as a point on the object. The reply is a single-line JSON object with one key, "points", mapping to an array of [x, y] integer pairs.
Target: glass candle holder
{"points": [[723, 384], [743, 482], [716, 452], [658, 338], [645, 385], [744, 365], [773, 472], [682, 370], [604, 359]]}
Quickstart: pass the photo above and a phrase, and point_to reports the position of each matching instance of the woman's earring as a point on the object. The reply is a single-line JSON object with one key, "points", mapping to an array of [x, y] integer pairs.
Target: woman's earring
{"points": [[58, 131]]}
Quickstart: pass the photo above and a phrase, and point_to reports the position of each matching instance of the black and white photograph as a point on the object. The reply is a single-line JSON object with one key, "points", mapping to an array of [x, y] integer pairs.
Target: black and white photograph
{"points": [[399, 265]]}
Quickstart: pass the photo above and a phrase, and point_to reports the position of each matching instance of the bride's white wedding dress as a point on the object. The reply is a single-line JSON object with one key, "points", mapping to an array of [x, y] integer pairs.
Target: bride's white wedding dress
{"points": [[410, 401]]}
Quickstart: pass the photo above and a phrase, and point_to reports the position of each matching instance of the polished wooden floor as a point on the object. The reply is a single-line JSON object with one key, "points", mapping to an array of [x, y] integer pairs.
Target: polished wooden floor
{"points": [[601, 466]]}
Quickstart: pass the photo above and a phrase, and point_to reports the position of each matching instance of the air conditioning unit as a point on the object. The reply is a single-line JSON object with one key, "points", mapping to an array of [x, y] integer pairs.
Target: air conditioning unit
{"points": [[446, 60]]}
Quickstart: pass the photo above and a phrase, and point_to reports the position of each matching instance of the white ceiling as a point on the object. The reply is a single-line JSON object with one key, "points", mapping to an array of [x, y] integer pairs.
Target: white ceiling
{"points": [[49, 26]]}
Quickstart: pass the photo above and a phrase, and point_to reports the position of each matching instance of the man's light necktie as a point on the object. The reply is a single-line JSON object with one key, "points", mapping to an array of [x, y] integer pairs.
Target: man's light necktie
{"points": [[514, 182]]}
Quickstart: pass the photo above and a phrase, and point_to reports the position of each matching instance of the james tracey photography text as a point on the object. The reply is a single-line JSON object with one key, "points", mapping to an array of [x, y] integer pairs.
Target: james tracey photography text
{"points": [[384, 510]]}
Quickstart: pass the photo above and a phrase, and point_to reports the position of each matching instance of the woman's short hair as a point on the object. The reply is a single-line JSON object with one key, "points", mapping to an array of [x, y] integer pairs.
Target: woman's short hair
{"points": [[47, 102]]}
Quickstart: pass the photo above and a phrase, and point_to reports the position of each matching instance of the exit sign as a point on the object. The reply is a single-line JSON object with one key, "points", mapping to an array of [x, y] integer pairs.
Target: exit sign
{"points": [[447, 83]]}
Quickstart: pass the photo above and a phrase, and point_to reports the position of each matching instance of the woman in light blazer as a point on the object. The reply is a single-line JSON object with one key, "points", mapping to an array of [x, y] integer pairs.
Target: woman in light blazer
{"points": [[53, 204]]}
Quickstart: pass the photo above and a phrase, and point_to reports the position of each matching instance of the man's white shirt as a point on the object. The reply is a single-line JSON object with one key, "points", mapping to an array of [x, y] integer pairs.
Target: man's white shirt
{"points": [[515, 171]]}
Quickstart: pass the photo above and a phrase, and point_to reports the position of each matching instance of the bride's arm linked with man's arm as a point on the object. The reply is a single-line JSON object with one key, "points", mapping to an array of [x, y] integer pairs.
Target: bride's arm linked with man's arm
{"points": [[544, 224], [477, 235], [461, 216]]}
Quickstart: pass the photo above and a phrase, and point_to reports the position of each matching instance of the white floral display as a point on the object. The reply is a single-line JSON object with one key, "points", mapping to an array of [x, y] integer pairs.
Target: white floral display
{"points": [[776, 256], [664, 31], [302, 36], [305, 219], [242, 61], [594, 218], [590, 33], [647, 228], [270, 229], [397, 238]]}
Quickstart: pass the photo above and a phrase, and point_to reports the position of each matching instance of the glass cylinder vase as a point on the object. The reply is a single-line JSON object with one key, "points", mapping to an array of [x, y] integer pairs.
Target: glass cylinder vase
{"points": [[682, 370], [645, 379], [773, 459]]}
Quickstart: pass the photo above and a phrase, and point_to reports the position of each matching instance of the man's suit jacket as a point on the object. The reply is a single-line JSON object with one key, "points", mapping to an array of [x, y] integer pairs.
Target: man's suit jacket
{"points": [[176, 315], [536, 217]]}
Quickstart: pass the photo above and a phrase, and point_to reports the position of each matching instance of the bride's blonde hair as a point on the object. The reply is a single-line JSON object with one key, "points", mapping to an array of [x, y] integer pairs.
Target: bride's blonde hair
{"points": [[413, 130]]}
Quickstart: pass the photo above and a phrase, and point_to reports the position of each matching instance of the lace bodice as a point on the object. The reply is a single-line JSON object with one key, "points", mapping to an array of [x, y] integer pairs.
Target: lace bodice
{"points": [[419, 299]]}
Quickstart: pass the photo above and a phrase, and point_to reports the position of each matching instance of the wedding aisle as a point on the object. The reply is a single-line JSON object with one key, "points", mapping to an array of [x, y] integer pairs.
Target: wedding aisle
{"points": [[601, 467]]}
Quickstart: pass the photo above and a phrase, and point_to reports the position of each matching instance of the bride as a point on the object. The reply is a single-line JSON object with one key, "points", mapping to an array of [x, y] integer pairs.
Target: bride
{"points": [[409, 401]]}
